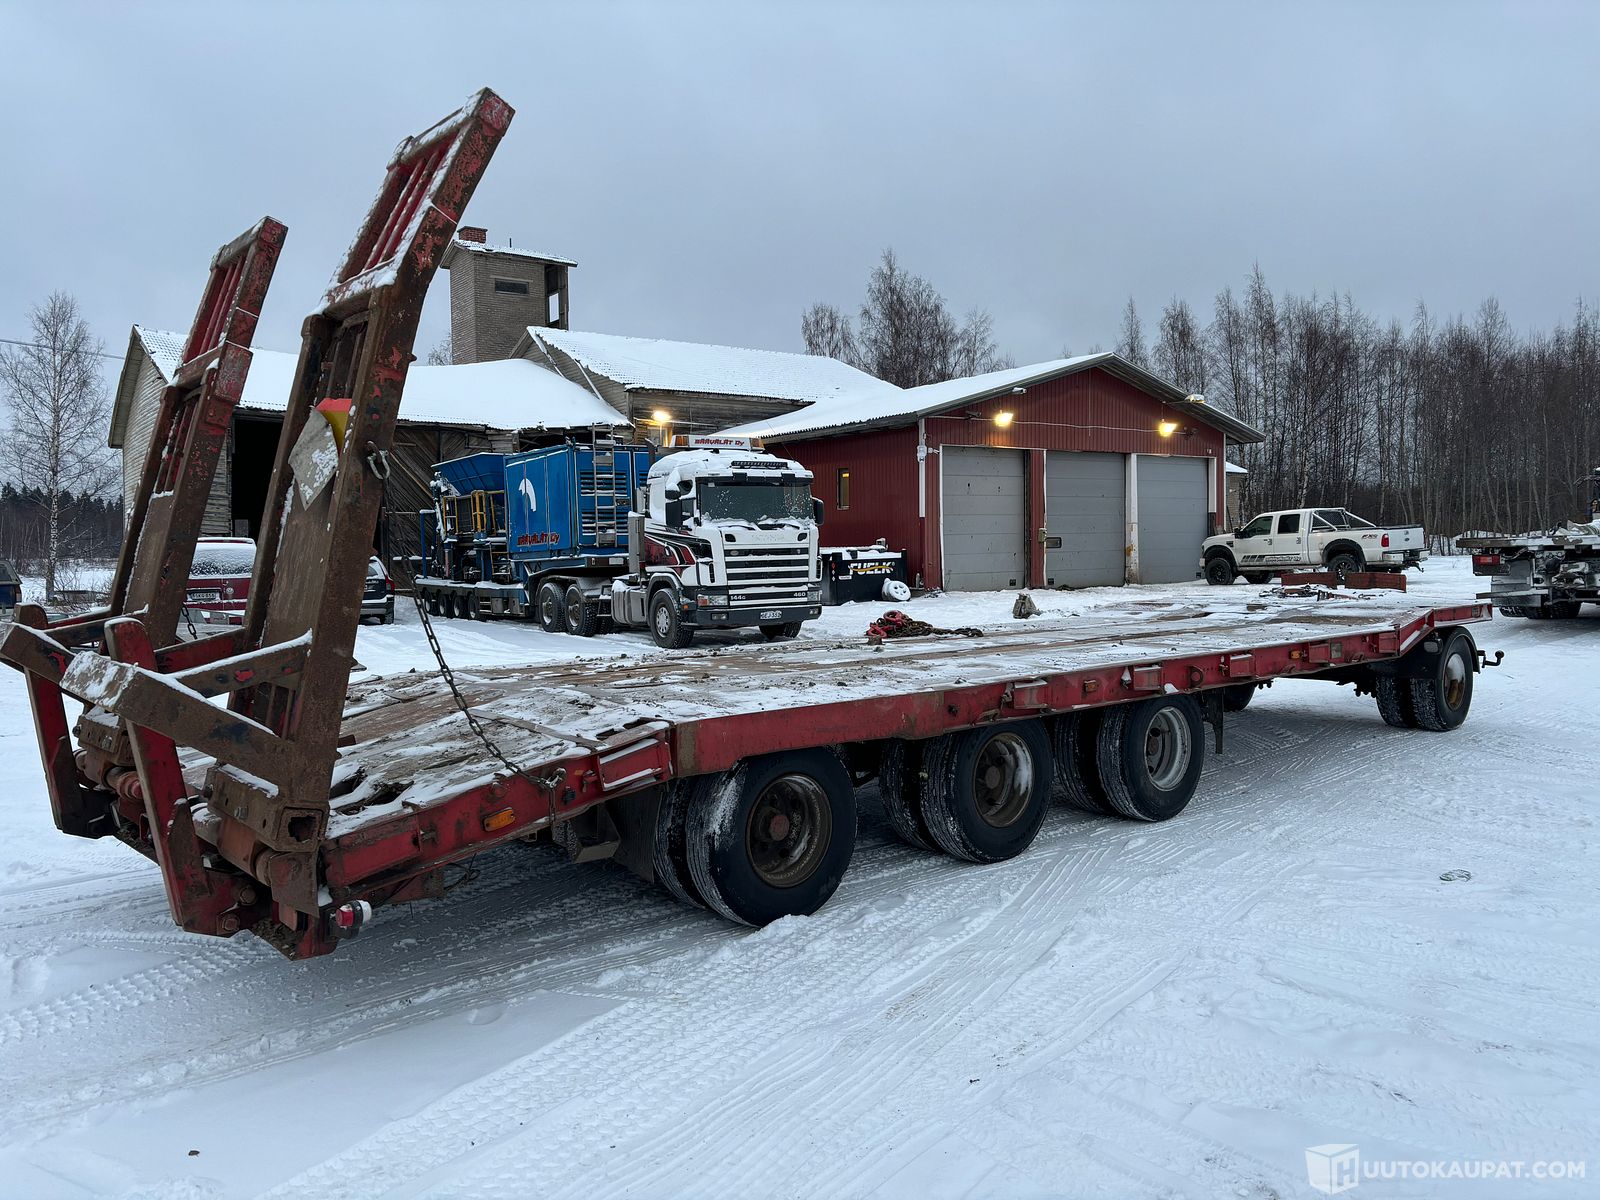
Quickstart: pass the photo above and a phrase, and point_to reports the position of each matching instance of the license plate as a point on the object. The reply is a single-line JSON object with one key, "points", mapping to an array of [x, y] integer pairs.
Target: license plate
{"points": [[771, 614], [204, 596]]}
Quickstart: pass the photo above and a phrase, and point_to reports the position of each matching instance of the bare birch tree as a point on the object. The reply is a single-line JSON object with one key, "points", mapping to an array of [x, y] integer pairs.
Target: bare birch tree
{"points": [[58, 415]]}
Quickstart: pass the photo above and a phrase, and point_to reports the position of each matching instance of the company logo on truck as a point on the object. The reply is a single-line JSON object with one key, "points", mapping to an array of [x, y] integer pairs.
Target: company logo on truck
{"points": [[526, 488]]}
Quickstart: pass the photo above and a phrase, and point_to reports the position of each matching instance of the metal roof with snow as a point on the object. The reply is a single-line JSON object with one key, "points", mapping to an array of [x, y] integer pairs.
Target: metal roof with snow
{"points": [[511, 393], [457, 245], [880, 408], [655, 364]]}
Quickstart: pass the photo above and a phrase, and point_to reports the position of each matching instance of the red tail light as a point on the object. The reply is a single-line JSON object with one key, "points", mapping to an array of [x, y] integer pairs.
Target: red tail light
{"points": [[1386, 541]]}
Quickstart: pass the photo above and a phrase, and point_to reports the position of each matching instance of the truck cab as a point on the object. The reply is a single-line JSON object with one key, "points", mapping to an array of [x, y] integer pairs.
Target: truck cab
{"points": [[727, 538], [1296, 538]]}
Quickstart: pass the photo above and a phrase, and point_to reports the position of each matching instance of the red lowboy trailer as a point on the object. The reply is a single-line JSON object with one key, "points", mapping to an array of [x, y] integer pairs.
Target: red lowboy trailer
{"points": [[729, 777]]}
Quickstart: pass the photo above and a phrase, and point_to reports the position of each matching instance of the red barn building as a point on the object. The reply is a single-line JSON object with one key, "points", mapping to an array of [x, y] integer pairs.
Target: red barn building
{"points": [[1082, 472]]}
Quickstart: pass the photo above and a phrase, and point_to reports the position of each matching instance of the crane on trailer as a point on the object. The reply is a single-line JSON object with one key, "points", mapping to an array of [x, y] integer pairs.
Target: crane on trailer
{"points": [[726, 777]]}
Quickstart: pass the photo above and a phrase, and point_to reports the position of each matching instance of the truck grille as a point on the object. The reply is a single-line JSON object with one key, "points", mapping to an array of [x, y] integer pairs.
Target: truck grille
{"points": [[768, 576]]}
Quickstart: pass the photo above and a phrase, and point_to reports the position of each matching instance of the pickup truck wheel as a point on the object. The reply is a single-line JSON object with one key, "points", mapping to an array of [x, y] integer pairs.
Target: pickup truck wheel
{"points": [[1346, 562], [1394, 702], [900, 785], [551, 607], [583, 616], [777, 633], [1220, 570], [667, 627], [772, 837], [1076, 780], [987, 790], [668, 857], [1441, 699], [1236, 697], [1258, 578], [1150, 756]]}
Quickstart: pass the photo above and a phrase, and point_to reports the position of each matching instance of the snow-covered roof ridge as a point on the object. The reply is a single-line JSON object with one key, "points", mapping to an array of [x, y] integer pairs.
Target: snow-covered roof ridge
{"points": [[511, 393], [659, 364], [458, 244], [888, 405]]}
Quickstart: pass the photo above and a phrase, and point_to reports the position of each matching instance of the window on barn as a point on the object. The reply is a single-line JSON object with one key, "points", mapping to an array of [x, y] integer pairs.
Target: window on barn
{"points": [[511, 287], [842, 490]]}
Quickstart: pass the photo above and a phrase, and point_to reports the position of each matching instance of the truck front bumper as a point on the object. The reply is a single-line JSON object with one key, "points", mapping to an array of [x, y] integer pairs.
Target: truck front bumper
{"points": [[736, 618]]}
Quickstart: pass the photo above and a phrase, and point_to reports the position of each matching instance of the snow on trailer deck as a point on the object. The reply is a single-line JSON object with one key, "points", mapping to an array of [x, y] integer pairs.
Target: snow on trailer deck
{"points": [[712, 704]]}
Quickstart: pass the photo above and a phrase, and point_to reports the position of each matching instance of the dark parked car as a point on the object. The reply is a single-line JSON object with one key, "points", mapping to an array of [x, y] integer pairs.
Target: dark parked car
{"points": [[219, 581], [378, 599]]}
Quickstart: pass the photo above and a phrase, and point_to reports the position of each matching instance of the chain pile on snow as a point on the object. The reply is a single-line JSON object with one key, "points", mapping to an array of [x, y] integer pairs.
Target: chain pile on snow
{"points": [[896, 624]]}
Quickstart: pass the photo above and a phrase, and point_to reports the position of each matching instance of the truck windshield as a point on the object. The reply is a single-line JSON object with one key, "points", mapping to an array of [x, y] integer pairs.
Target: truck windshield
{"points": [[754, 502]]}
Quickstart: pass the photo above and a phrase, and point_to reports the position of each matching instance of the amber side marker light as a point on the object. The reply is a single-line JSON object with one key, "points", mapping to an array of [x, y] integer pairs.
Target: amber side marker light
{"points": [[499, 820]]}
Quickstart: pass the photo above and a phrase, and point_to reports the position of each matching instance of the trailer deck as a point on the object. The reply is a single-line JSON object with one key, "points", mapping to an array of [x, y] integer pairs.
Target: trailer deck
{"points": [[410, 760]]}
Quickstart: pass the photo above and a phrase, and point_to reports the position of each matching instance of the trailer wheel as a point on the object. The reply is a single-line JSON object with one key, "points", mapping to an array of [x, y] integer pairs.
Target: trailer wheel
{"points": [[583, 616], [1565, 610], [1150, 755], [772, 837], [778, 633], [1441, 699], [1236, 697], [987, 790], [667, 851], [550, 608], [1220, 569], [1513, 610], [1076, 780], [900, 785], [1394, 702], [667, 626]]}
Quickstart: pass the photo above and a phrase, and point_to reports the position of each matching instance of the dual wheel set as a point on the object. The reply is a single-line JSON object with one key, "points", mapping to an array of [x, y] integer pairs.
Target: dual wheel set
{"points": [[563, 608], [772, 837]]}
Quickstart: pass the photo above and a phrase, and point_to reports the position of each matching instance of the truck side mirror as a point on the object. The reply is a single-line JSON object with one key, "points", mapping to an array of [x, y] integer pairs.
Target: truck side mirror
{"points": [[675, 511], [816, 511]]}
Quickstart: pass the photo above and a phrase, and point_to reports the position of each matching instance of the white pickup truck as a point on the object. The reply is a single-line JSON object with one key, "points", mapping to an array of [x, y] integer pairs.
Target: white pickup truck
{"points": [[1308, 538]]}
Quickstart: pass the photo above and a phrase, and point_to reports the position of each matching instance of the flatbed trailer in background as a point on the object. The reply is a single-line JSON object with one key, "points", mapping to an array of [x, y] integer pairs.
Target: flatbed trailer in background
{"points": [[727, 776]]}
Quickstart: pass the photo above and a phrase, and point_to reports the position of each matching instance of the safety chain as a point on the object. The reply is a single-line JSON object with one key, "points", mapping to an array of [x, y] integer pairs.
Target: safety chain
{"points": [[549, 782]]}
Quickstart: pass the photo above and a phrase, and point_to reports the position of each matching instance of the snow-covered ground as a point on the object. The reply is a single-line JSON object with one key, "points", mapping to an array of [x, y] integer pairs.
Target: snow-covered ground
{"points": [[1126, 1010]]}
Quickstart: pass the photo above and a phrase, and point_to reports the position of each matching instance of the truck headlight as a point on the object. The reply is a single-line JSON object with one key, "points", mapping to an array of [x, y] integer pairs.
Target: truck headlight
{"points": [[705, 601]]}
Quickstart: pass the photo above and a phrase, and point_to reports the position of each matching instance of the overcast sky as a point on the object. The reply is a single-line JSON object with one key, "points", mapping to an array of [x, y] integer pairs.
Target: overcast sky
{"points": [[716, 168]]}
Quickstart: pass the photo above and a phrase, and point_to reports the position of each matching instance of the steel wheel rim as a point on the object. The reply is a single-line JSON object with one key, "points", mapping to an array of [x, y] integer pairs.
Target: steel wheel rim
{"points": [[1167, 749], [663, 620], [1455, 681], [789, 830], [1002, 780]]}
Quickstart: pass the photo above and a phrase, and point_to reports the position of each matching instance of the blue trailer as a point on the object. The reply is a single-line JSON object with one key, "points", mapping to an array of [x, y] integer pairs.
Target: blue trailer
{"points": [[504, 522]]}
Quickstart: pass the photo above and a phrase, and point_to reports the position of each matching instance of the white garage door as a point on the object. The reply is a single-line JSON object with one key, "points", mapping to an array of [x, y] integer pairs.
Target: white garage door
{"points": [[1174, 517], [983, 499], [1084, 506]]}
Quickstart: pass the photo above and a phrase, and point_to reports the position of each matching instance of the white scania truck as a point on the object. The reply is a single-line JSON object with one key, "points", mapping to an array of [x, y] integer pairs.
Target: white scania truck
{"points": [[716, 533]]}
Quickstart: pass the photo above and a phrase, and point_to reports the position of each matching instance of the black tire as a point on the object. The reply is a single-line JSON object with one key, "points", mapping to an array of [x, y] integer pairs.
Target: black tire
{"points": [[1537, 612], [1442, 698], [987, 790], [773, 837], [667, 626], [1236, 697], [1565, 610], [388, 615], [1076, 779], [667, 852], [583, 616], [778, 633], [550, 607], [1220, 570], [900, 784], [1150, 756], [1257, 578], [1346, 562], [1394, 702], [1513, 610]]}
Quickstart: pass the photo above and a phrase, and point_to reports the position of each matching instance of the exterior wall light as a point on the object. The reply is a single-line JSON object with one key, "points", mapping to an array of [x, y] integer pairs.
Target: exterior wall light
{"points": [[1167, 428], [1003, 419], [661, 417]]}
